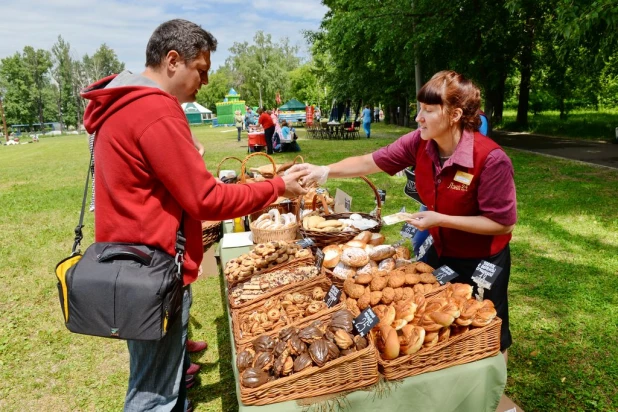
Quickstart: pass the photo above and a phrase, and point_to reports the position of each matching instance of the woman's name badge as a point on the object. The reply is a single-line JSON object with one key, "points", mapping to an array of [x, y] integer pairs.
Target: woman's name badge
{"points": [[463, 178]]}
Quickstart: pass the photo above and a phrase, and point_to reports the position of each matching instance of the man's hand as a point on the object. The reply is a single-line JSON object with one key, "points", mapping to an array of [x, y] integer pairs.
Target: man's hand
{"points": [[318, 174], [425, 220], [292, 187]]}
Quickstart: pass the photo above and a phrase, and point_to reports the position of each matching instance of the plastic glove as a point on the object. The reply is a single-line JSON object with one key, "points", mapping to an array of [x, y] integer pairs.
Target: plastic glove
{"points": [[318, 174]]}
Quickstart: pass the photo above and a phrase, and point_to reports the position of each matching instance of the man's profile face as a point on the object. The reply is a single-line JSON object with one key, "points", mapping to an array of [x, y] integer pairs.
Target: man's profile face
{"points": [[189, 77]]}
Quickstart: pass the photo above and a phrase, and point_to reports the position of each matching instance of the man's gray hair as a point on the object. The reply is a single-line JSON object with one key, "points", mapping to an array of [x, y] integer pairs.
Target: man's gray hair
{"points": [[187, 38]]}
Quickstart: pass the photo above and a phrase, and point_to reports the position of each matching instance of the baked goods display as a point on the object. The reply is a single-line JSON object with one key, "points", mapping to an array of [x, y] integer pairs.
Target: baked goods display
{"points": [[279, 311], [264, 256], [366, 254], [294, 350], [263, 283], [320, 224], [392, 288], [413, 324], [274, 220]]}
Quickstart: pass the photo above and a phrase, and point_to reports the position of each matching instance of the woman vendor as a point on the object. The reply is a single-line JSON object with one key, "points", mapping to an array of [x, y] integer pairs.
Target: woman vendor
{"points": [[463, 177]]}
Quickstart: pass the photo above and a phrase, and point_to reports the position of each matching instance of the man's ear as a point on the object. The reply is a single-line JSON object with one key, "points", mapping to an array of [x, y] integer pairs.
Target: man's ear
{"points": [[172, 59]]}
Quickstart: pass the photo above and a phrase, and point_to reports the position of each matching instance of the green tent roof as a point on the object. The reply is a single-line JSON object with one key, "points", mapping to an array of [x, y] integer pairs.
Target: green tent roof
{"points": [[293, 104]]}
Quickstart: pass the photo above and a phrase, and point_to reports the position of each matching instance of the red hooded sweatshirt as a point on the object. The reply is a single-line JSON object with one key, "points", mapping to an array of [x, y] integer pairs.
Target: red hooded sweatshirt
{"points": [[147, 171]]}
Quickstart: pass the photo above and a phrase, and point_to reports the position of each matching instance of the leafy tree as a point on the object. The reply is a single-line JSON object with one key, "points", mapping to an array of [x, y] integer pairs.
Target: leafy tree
{"points": [[104, 62], [262, 68], [62, 74], [17, 85], [37, 64]]}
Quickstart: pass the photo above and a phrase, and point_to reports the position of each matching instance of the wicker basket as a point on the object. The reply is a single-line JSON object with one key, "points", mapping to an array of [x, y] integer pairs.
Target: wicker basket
{"points": [[211, 233], [266, 235], [354, 371], [243, 167], [306, 261], [282, 288], [339, 283], [224, 160], [473, 345], [322, 239], [320, 282]]}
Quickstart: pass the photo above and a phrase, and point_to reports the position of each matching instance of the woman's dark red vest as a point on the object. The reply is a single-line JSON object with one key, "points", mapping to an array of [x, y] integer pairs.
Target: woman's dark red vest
{"points": [[444, 195]]}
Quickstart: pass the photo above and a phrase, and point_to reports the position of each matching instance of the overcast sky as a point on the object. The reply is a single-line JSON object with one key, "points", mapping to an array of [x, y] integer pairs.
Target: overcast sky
{"points": [[126, 25]]}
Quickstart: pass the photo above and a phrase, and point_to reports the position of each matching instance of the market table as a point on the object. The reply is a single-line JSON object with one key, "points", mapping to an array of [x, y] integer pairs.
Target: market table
{"points": [[256, 140], [475, 386]]}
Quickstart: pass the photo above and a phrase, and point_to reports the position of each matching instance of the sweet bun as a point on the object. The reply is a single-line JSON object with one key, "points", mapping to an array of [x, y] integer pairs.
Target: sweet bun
{"points": [[364, 236], [377, 239], [368, 268], [388, 342], [382, 252], [332, 254], [356, 243], [402, 252], [387, 264], [343, 271], [354, 257]]}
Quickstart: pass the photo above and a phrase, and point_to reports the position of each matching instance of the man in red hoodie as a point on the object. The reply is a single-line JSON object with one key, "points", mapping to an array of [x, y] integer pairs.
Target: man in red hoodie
{"points": [[150, 178]]}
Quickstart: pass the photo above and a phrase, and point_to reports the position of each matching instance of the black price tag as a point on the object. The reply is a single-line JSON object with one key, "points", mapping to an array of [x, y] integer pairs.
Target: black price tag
{"points": [[407, 230], [333, 296], [366, 321], [486, 274], [444, 274], [319, 258], [305, 243], [382, 194], [425, 247]]}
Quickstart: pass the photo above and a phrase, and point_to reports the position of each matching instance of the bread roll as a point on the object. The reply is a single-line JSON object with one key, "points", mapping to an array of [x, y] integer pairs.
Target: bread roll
{"points": [[377, 239], [332, 254], [356, 243], [387, 264], [368, 268], [402, 252], [343, 271], [382, 252], [364, 236], [354, 257]]}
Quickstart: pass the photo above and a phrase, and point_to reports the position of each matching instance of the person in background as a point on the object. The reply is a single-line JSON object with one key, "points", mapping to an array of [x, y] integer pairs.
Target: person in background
{"points": [[248, 118], [266, 121], [150, 180], [376, 114], [318, 114], [463, 178], [238, 121], [366, 115], [289, 138]]}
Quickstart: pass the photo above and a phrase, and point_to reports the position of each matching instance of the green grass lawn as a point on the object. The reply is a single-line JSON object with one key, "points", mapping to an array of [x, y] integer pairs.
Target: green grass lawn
{"points": [[563, 297], [579, 124]]}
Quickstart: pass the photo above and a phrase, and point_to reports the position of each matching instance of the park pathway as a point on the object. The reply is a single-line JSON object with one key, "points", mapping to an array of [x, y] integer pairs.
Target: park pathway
{"points": [[599, 153]]}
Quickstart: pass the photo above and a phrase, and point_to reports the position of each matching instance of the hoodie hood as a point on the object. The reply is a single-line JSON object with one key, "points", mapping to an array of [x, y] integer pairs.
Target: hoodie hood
{"points": [[112, 93]]}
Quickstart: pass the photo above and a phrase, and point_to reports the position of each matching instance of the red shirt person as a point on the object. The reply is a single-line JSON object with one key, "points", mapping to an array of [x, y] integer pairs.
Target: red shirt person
{"points": [[464, 179], [269, 129]]}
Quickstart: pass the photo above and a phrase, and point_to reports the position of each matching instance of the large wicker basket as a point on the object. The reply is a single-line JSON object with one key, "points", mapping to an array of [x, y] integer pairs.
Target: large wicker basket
{"points": [[322, 239], [354, 371], [473, 345], [280, 289], [241, 340], [211, 233]]}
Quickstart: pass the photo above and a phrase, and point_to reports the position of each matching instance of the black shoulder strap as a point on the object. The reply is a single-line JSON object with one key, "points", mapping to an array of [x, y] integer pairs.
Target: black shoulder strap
{"points": [[180, 239]]}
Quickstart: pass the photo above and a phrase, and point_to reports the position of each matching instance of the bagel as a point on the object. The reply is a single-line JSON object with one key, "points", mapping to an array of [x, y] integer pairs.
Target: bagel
{"points": [[274, 214], [262, 217]]}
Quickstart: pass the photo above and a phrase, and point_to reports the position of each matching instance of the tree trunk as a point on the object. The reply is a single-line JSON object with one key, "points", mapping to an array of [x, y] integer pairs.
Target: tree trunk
{"points": [[489, 111], [526, 74], [6, 131]]}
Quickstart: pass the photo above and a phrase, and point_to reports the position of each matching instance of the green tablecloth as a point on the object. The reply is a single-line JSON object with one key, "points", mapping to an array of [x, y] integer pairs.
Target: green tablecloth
{"points": [[473, 387]]}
